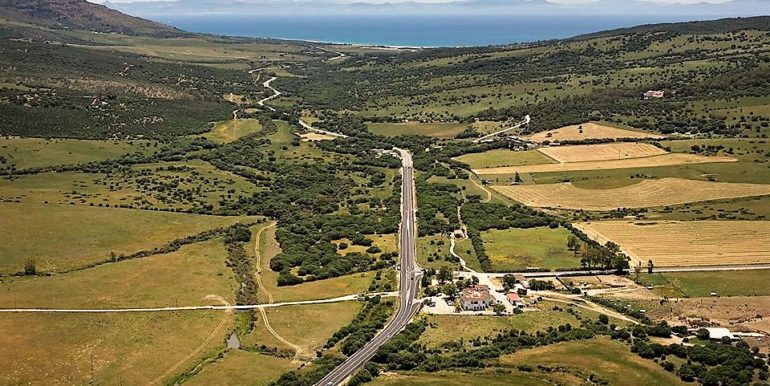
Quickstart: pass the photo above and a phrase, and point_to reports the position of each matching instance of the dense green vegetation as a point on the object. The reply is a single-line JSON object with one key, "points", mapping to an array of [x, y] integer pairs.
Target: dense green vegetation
{"points": [[558, 83]]}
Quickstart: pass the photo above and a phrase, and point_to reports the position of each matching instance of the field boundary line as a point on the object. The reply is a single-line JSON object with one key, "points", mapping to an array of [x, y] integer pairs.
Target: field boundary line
{"points": [[539, 150]]}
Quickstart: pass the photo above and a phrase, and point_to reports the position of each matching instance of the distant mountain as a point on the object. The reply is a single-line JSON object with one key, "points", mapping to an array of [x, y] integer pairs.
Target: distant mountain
{"points": [[731, 8], [80, 14]]}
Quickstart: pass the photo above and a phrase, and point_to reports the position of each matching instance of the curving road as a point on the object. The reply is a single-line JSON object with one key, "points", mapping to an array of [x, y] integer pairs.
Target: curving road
{"points": [[276, 94], [409, 279]]}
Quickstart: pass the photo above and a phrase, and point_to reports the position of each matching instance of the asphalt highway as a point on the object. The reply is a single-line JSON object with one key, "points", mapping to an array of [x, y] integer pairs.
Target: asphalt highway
{"points": [[409, 282]]}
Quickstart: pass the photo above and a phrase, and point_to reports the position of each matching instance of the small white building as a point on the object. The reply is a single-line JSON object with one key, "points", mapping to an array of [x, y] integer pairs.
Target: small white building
{"points": [[717, 333], [654, 94], [476, 298]]}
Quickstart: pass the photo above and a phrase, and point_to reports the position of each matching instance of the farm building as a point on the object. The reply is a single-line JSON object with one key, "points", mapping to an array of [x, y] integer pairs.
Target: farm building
{"points": [[717, 333], [515, 300], [476, 298]]}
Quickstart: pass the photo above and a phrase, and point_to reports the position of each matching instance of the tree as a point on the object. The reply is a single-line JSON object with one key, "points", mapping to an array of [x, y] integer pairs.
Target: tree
{"points": [[509, 282], [498, 308], [650, 266], [573, 244], [444, 274], [449, 290], [30, 267], [517, 178]]}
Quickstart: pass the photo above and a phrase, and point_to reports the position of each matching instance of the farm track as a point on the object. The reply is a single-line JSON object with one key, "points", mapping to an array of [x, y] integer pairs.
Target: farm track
{"points": [[189, 308], [258, 276], [200, 348]]}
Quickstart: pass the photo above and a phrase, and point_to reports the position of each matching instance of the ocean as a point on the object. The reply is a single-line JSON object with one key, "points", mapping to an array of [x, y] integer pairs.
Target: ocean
{"points": [[414, 31]]}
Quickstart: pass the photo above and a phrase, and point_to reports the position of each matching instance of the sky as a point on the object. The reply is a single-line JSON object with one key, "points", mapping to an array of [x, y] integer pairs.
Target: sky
{"points": [[444, 1]]}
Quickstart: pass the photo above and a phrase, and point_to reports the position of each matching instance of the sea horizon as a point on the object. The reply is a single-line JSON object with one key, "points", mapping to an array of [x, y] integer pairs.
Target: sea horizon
{"points": [[412, 31]]}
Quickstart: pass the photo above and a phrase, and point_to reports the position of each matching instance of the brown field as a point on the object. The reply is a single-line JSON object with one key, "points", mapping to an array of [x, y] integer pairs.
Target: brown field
{"points": [[591, 130], [644, 162], [602, 152], [647, 193], [313, 137], [686, 243]]}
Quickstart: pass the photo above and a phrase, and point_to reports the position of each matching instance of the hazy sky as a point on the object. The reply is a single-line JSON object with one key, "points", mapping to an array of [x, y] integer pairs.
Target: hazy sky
{"points": [[444, 1]]}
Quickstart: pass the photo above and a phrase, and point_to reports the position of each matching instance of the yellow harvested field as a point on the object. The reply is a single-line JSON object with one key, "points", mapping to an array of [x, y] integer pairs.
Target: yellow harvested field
{"points": [[603, 152], [313, 137], [648, 193], [686, 243], [669, 159], [590, 130]]}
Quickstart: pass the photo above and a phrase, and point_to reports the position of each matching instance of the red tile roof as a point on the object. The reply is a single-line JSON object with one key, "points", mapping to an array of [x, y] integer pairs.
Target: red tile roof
{"points": [[513, 297]]}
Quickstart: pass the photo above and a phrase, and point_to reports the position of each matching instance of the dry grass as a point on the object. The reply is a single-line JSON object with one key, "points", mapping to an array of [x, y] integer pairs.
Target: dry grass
{"points": [[183, 278], [603, 152], [686, 243], [307, 326], [647, 193], [240, 367], [130, 349], [313, 137], [610, 360], [229, 131], [590, 130], [644, 162], [61, 237]]}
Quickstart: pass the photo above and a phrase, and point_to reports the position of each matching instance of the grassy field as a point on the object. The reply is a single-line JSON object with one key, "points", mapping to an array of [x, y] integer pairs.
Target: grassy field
{"points": [[185, 185], [324, 289], [181, 278], [448, 378], [307, 326], [751, 209], [439, 130], [386, 243], [646, 193], [695, 243], [240, 367], [446, 328], [725, 283], [433, 252], [751, 166], [515, 249], [37, 152], [612, 361], [106, 349], [503, 157], [65, 237], [229, 131]]}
